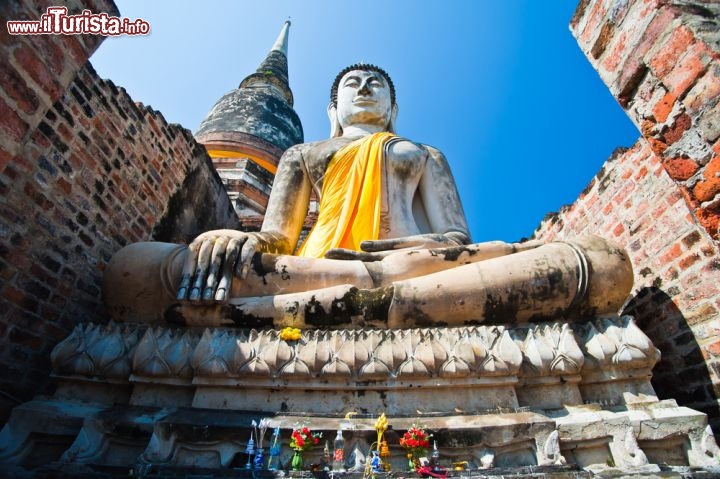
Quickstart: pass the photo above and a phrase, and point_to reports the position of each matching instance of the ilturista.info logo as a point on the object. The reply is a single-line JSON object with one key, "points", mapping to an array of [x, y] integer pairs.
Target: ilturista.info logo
{"points": [[57, 22]]}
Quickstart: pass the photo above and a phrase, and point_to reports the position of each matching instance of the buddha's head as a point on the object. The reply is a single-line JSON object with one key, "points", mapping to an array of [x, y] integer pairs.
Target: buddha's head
{"points": [[362, 94]]}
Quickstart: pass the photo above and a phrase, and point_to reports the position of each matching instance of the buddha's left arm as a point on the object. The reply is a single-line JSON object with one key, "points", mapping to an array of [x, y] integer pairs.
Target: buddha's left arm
{"points": [[440, 197]]}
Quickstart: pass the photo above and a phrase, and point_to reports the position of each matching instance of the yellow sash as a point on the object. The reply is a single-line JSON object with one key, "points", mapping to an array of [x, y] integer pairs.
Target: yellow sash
{"points": [[350, 198]]}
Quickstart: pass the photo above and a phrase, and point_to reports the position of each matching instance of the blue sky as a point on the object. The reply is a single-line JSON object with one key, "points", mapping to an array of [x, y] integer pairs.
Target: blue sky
{"points": [[501, 87]]}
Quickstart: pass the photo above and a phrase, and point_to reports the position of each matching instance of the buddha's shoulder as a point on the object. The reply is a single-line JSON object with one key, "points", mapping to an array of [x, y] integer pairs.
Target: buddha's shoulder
{"points": [[317, 148], [416, 147]]}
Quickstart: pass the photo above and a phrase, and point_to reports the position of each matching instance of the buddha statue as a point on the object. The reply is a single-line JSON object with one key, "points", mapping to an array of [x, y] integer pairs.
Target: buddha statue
{"points": [[390, 249]]}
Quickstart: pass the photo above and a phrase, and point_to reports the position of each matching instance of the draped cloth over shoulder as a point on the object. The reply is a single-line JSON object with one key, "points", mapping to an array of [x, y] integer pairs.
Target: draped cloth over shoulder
{"points": [[350, 198]]}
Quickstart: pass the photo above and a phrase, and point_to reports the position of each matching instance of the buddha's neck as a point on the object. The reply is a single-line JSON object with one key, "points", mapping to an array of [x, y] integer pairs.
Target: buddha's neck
{"points": [[356, 131]]}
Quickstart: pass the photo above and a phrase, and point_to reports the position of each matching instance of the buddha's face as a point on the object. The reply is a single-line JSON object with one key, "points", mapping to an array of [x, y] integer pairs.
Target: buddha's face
{"points": [[363, 97]]}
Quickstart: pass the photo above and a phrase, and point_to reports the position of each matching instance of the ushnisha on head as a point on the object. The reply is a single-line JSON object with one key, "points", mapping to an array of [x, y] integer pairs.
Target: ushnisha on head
{"points": [[362, 95]]}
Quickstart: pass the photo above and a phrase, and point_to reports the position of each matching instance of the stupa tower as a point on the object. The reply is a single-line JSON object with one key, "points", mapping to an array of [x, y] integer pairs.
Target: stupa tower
{"points": [[248, 130]]}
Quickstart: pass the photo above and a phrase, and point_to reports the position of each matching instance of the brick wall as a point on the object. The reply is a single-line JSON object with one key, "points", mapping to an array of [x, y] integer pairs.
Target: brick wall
{"points": [[84, 170], [660, 199], [676, 296], [661, 60]]}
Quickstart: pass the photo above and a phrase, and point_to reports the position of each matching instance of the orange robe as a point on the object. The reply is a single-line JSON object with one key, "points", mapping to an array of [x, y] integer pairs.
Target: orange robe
{"points": [[350, 199]]}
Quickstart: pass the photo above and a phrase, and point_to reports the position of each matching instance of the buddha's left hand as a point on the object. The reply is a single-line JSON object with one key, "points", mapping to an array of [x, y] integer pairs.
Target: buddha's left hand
{"points": [[424, 241], [376, 250]]}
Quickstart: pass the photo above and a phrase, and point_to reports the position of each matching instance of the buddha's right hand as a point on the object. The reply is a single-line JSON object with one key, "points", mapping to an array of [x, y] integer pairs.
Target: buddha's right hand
{"points": [[213, 258]]}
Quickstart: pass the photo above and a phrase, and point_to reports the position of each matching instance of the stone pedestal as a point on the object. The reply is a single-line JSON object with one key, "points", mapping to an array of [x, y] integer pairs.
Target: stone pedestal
{"points": [[550, 394]]}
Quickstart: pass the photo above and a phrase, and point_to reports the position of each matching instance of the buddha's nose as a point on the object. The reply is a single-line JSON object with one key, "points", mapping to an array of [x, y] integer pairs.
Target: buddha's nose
{"points": [[365, 89]]}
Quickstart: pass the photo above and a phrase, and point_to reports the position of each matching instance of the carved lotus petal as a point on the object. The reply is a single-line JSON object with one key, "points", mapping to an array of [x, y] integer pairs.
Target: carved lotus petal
{"points": [[599, 348], [275, 353], [206, 360], [635, 337], [335, 340], [244, 352], [537, 354], [431, 353], [373, 338], [471, 352], [508, 351], [109, 354], [82, 365], [569, 358], [374, 369], [255, 367], [635, 349], [295, 367], [413, 367], [336, 368], [177, 355], [71, 346], [454, 367], [489, 335], [315, 353], [354, 353], [144, 352], [102, 339], [203, 350], [389, 354]]}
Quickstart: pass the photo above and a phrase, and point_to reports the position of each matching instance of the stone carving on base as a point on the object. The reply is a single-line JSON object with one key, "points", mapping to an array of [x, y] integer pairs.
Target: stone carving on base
{"points": [[552, 450]]}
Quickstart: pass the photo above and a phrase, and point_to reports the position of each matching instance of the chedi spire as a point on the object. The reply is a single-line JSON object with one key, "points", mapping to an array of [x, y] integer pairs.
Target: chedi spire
{"points": [[260, 107]]}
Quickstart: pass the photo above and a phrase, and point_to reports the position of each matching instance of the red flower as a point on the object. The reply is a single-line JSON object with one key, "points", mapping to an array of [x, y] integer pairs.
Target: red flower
{"points": [[415, 440], [303, 439]]}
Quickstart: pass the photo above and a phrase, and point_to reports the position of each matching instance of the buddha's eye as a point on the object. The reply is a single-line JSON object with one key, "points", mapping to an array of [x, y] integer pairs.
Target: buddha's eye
{"points": [[352, 82]]}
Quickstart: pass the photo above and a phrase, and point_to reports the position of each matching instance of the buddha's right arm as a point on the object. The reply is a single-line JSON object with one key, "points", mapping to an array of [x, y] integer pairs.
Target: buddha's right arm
{"points": [[216, 256]]}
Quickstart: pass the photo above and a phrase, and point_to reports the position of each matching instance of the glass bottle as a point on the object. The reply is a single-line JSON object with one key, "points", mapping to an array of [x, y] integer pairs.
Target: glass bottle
{"points": [[339, 453]]}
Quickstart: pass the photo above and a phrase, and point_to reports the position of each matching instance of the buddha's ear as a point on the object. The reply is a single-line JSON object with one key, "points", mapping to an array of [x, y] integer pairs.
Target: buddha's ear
{"points": [[393, 118], [335, 128]]}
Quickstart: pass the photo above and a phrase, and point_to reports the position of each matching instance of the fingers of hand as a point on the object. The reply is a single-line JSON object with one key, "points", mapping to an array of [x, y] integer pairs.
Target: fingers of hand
{"points": [[215, 264], [231, 253], [246, 255], [341, 253], [372, 246], [188, 272], [203, 263]]}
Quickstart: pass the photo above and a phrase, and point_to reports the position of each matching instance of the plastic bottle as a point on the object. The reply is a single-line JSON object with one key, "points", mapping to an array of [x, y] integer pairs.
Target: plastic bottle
{"points": [[339, 453], [274, 450]]}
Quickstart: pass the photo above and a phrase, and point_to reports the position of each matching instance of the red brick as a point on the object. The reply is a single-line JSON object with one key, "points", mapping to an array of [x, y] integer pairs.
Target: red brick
{"points": [[12, 125], [76, 50], [707, 189], [688, 261], [663, 108], [668, 54], [704, 91], [681, 124], [619, 230], [634, 67], [681, 168], [51, 52], [688, 70], [64, 185], [712, 169], [710, 220], [714, 348], [672, 254], [595, 17], [17, 89], [33, 65]]}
